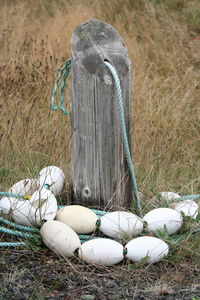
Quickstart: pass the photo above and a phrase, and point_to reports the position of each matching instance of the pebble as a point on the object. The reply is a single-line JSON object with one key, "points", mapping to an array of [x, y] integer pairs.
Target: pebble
{"points": [[110, 284]]}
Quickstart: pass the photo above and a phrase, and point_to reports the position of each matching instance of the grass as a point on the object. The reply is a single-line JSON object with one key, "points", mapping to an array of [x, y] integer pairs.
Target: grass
{"points": [[163, 41]]}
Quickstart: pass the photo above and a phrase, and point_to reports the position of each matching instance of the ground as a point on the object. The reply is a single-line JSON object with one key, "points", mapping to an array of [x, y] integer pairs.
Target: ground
{"points": [[39, 274]]}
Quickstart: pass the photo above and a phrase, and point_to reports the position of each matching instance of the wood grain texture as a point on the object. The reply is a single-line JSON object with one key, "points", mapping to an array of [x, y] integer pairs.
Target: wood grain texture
{"points": [[100, 174]]}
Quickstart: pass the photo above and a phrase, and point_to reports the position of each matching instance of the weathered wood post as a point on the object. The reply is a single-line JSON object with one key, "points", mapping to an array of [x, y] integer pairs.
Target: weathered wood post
{"points": [[100, 174]]}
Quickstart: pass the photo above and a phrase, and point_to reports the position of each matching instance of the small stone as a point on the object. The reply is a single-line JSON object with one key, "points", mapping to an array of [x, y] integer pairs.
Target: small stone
{"points": [[110, 284], [88, 297]]}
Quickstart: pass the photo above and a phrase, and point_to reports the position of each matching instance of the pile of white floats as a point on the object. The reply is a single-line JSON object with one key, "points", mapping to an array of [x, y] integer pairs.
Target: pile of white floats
{"points": [[61, 227]]}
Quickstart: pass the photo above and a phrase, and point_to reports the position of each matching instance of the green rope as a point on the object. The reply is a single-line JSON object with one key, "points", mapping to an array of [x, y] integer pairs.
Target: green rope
{"points": [[188, 197], [17, 226], [61, 81], [124, 136], [14, 244], [6, 194], [17, 233]]}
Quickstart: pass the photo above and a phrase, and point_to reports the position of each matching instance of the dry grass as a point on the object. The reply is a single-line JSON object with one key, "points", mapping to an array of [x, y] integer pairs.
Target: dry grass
{"points": [[163, 42]]}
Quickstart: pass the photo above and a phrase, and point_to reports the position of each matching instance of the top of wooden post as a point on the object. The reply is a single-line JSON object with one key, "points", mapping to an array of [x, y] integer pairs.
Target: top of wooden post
{"points": [[95, 41]]}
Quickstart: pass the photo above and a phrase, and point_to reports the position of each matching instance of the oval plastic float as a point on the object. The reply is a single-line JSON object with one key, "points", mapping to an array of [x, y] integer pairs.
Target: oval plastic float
{"points": [[101, 251], [188, 208], [24, 187], [81, 219], [119, 224], [43, 206], [147, 248], [60, 238], [157, 218], [6, 204], [54, 177], [21, 212]]}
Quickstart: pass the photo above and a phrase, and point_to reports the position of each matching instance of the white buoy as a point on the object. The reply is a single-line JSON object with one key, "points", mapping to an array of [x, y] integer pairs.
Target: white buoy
{"points": [[6, 204], [188, 208], [24, 187], [157, 218], [81, 219], [119, 224], [43, 206], [60, 238], [21, 212], [147, 248], [101, 251], [169, 196], [52, 176]]}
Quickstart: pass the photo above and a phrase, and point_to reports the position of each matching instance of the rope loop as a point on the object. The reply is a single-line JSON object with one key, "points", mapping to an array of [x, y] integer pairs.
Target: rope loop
{"points": [[61, 82]]}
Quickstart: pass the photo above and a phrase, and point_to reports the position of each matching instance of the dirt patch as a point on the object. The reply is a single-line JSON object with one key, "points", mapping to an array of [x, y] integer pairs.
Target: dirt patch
{"points": [[27, 274]]}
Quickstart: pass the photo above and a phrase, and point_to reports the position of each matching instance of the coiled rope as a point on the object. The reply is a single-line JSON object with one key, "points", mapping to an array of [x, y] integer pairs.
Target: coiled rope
{"points": [[64, 72]]}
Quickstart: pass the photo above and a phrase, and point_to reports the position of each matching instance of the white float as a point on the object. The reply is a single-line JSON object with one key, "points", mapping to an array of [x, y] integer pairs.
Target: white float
{"points": [[101, 251], [43, 206], [147, 248], [24, 187], [158, 217], [169, 196], [6, 204], [54, 177], [119, 224], [21, 212], [81, 219], [188, 208], [60, 238]]}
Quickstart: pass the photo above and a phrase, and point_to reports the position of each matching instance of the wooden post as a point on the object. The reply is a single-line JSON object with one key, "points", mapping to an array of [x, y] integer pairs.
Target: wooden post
{"points": [[100, 174]]}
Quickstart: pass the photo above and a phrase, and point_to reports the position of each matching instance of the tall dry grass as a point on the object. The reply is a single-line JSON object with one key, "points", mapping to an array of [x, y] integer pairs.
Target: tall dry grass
{"points": [[163, 42]]}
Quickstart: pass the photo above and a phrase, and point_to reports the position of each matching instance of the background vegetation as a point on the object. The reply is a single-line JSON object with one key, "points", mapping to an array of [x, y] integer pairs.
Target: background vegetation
{"points": [[163, 41]]}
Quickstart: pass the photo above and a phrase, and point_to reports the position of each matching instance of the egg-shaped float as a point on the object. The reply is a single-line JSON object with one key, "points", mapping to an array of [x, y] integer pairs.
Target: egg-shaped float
{"points": [[101, 251], [60, 238], [157, 218], [24, 187], [21, 212], [52, 176], [146, 248], [188, 207], [6, 204], [81, 219], [43, 206], [120, 224]]}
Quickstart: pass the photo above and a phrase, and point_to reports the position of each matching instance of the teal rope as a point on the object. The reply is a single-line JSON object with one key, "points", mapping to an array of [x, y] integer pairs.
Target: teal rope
{"points": [[188, 197], [64, 73], [99, 213], [14, 244], [17, 233], [124, 136], [6, 194], [17, 226]]}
